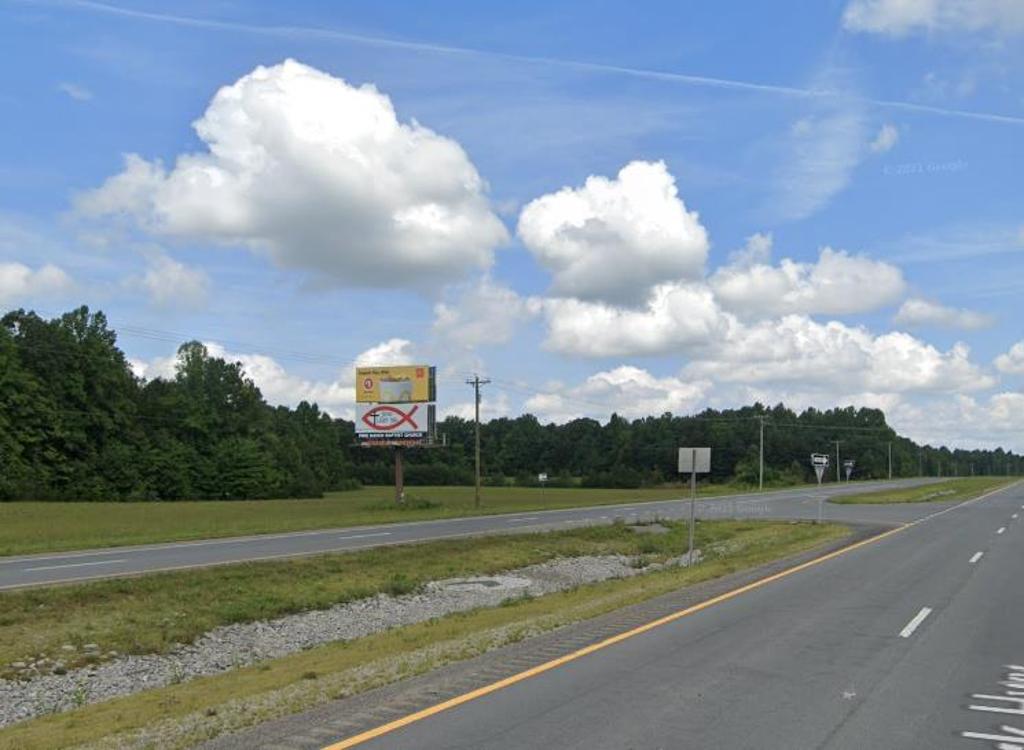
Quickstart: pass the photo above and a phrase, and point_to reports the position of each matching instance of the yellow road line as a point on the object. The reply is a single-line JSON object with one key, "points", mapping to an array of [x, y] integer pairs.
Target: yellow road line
{"points": [[554, 663], [494, 687]]}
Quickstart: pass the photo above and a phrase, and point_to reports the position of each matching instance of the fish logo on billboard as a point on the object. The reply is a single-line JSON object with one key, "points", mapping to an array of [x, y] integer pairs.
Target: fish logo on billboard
{"points": [[387, 417]]}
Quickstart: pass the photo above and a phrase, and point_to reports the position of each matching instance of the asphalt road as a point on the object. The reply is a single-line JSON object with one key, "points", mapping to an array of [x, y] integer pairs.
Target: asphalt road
{"points": [[54, 568], [915, 640]]}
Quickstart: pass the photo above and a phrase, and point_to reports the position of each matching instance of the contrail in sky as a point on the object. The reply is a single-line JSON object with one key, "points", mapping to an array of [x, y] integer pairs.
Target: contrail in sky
{"points": [[593, 67]]}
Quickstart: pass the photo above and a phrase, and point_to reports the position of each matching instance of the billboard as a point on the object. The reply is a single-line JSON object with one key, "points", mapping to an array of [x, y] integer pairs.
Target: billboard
{"points": [[402, 421], [402, 384]]}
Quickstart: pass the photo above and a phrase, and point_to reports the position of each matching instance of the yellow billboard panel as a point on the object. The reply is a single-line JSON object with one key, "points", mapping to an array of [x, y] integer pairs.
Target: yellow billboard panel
{"points": [[394, 385]]}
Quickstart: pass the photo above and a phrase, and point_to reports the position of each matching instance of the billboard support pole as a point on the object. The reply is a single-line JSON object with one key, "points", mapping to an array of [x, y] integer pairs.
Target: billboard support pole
{"points": [[399, 476]]}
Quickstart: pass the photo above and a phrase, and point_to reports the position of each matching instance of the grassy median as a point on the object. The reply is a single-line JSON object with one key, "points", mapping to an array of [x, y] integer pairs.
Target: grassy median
{"points": [[29, 527], [182, 715], [953, 490], [149, 614]]}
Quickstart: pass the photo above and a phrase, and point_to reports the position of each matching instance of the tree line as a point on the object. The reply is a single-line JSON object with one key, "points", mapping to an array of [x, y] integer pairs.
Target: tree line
{"points": [[77, 424]]}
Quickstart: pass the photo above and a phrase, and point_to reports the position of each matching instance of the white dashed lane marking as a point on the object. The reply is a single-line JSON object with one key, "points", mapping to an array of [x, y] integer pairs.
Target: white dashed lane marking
{"points": [[1001, 529], [976, 556], [915, 623]]}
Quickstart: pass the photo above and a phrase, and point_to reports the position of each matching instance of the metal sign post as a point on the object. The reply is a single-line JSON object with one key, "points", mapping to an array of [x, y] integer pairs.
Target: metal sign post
{"points": [[542, 479], [820, 462], [694, 461]]}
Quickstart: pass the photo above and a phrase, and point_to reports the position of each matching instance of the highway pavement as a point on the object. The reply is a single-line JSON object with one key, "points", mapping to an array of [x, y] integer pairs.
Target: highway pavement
{"points": [[55, 568], [912, 640]]}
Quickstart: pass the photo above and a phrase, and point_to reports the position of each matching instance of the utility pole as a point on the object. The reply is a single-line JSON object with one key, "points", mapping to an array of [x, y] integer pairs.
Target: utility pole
{"points": [[476, 382], [837, 460], [890, 460], [760, 473]]}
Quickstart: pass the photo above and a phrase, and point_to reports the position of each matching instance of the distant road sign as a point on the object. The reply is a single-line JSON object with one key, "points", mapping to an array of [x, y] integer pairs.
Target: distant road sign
{"points": [[694, 460], [542, 477], [848, 465], [820, 462]]}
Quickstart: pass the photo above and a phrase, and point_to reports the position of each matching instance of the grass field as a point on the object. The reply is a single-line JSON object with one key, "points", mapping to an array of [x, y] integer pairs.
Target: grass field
{"points": [[181, 715], [27, 527], [949, 491], [150, 613]]}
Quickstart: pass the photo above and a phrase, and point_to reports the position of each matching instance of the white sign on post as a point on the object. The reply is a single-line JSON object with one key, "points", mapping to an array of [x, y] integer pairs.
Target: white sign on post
{"points": [[848, 465], [694, 460], [820, 462], [542, 478]]}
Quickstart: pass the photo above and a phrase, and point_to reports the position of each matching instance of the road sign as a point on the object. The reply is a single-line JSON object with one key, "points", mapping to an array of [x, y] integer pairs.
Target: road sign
{"points": [[542, 477], [848, 466], [820, 462], [694, 460]]}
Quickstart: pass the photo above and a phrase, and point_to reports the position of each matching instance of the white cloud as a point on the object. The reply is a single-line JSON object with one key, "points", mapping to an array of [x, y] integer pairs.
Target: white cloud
{"points": [[1012, 362], [76, 92], [322, 176], [835, 358], [484, 314], [18, 281], [494, 404], [676, 316], [756, 251], [837, 284], [820, 154], [964, 421], [921, 312], [279, 386], [902, 17], [613, 239], [628, 391], [170, 283], [887, 137]]}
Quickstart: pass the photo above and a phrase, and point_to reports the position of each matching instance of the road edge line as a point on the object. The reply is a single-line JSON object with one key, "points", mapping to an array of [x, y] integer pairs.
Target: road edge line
{"points": [[494, 687]]}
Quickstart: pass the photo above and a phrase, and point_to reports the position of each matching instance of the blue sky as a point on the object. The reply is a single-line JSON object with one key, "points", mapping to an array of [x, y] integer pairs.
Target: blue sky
{"points": [[563, 198]]}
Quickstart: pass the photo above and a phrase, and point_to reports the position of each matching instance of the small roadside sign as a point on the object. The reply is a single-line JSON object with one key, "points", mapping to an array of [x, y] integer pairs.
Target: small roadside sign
{"points": [[848, 466], [542, 477], [694, 460], [820, 462]]}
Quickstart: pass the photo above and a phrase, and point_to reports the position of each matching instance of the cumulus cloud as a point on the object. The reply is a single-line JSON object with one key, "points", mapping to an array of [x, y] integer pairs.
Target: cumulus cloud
{"points": [[676, 316], [837, 284], [837, 358], [898, 18], [322, 176], [281, 387], [626, 390], [170, 283], [887, 137], [1012, 362], [611, 240], [917, 312], [18, 281], [756, 251], [482, 314]]}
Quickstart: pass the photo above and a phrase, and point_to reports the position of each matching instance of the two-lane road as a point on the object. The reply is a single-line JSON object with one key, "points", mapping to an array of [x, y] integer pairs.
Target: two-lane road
{"points": [[37, 570], [913, 640]]}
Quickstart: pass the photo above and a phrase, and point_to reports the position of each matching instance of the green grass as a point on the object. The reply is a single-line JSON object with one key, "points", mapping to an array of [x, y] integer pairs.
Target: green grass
{"points": [[181, 715], [952, 490], [28, 527], [149, 614]]}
